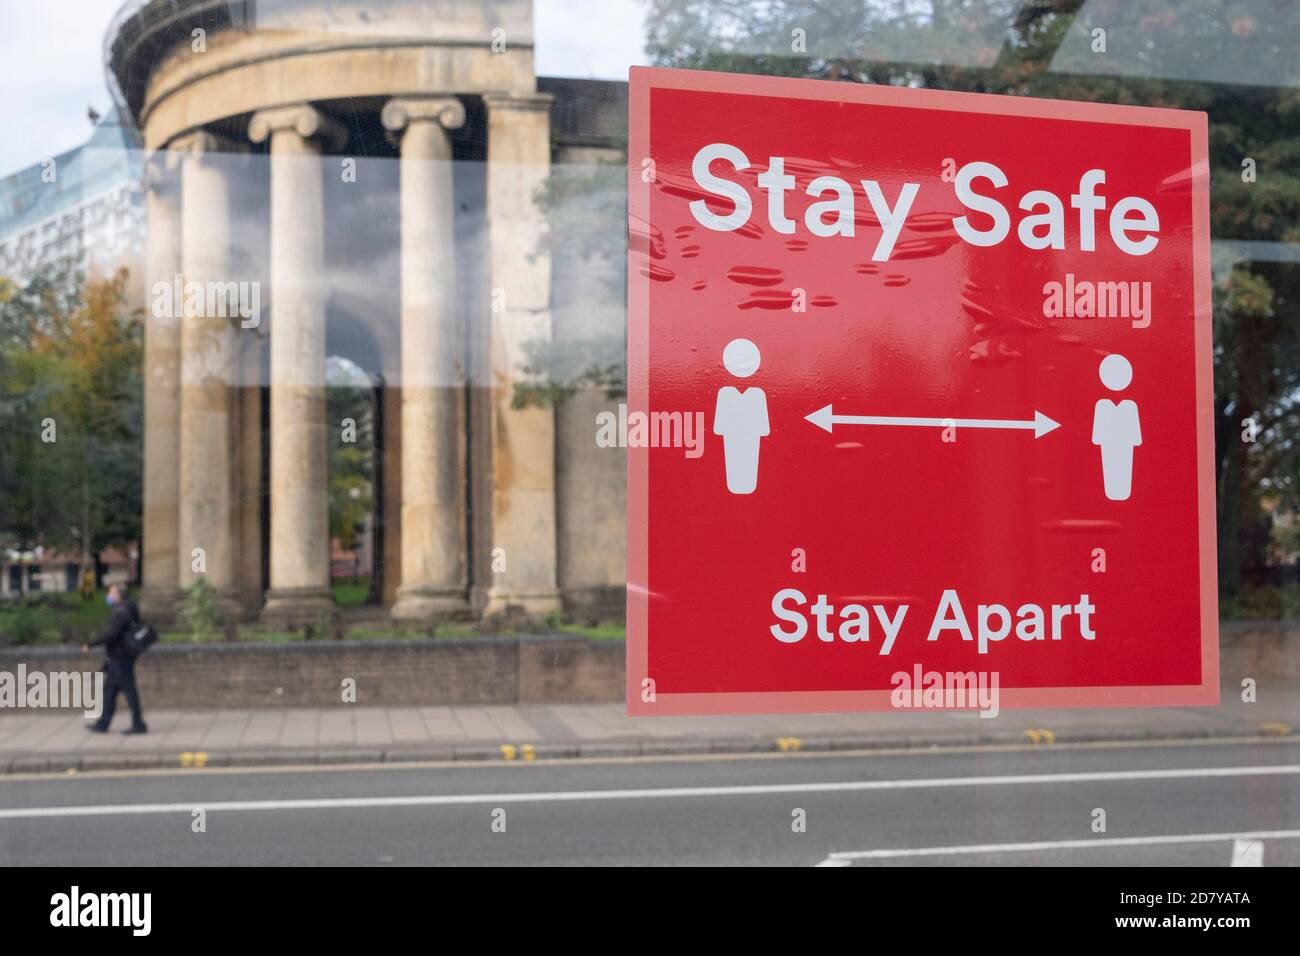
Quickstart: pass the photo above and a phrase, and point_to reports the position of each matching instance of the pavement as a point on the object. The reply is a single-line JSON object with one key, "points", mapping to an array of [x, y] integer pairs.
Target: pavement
{"points": [[1194, 803], [56, 742]]}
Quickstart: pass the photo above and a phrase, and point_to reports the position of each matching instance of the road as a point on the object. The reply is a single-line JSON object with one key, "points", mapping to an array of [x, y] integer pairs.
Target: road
{"points": [[1165, 804]]}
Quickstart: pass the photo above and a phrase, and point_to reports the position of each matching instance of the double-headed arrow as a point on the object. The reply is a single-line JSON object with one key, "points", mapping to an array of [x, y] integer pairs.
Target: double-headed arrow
{"points": [[826, 419]]}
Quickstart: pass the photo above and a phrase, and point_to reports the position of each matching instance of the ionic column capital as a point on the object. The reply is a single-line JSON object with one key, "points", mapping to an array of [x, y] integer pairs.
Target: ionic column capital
{"points": [[403, 111], [195, 144], [301, 118]]}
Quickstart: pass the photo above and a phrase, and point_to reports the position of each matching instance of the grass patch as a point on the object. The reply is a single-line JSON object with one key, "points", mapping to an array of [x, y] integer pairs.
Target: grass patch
{"points": [[599, 632], [65, 618], [351, 592], [248, 634], [380, 633], [471, 629]]}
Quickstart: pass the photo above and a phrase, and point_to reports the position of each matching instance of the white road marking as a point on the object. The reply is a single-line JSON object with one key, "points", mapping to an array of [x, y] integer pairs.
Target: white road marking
{"points": [[1247, 852], [660, 793], [843, 858]]}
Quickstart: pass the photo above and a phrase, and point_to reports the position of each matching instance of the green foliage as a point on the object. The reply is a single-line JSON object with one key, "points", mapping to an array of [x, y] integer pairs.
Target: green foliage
{"points": [[351, 462], [597, 632], [351, 592], [586, 208], [586, 215], [25, 620], [53, 616], [199, 611], [70, 354], [321, 628], [556, 370], [1262, 603]]}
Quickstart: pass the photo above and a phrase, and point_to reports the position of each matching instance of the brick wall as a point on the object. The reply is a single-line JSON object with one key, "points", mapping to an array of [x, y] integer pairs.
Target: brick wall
{"points": [[1268, 651], [582, 670], [484, 670]]}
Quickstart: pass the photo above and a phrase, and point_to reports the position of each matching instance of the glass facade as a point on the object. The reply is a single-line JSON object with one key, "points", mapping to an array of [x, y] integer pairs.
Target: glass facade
{"points": [[318, 350]]}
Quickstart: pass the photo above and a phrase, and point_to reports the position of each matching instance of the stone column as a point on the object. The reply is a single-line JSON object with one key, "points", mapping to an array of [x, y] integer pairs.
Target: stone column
{"points": [[248, 474], [300, 549], [433, 566], [522, 460], [208, 371], [159, 568], [392, 493]]}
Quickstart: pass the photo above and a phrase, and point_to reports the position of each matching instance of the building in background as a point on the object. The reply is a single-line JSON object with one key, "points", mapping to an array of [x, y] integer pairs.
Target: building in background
{"points": [[82, 208], [44, 570]]}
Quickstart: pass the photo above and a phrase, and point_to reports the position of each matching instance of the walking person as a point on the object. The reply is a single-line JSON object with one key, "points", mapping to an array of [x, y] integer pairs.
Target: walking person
{"points": [[119, 663]]}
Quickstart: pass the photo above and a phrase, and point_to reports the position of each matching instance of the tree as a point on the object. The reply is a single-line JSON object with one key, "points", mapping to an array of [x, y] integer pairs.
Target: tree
{"points": [[585, 209], [70, 413]]}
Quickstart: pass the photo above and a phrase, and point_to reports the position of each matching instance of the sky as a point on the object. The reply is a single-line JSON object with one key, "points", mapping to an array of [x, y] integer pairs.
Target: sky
{"points": [[52, 56]]}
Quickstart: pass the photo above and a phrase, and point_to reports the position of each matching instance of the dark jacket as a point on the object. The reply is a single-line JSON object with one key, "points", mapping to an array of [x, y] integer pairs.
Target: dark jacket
{"points": [[112, 636]]}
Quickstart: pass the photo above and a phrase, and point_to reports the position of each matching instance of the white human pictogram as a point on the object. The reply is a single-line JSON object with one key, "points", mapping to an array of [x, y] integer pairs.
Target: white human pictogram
{"points": [[1115, 429], [741, 418]]}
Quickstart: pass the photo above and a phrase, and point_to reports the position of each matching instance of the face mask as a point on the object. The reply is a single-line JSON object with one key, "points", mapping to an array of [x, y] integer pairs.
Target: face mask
{"points": [[110, 600]]}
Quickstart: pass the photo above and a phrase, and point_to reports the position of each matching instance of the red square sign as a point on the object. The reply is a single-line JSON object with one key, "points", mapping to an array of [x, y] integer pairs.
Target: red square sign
{"points": [[919, 400]]}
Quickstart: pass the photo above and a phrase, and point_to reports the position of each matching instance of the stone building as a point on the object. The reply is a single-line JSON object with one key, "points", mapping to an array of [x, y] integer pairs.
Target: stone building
{"points": [[384, 182]]}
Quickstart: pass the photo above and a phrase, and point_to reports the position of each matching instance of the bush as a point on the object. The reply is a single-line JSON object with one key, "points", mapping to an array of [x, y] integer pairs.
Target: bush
{"points": [[25, 620], [27, 626], [1266, 602], [199, 611]]}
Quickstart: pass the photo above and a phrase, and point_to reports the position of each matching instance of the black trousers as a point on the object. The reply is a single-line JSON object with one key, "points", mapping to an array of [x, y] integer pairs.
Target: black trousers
{"points": [[120, 678]]}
